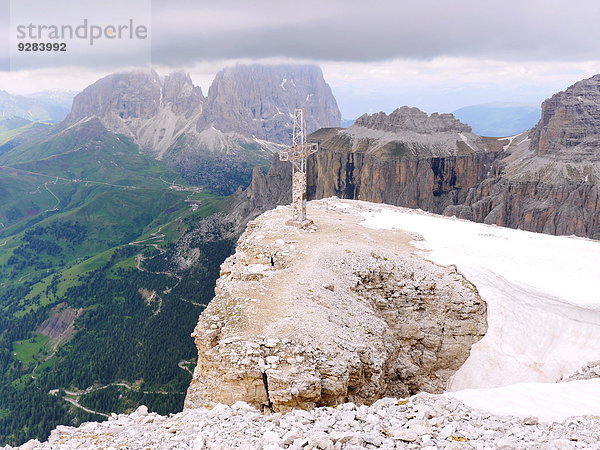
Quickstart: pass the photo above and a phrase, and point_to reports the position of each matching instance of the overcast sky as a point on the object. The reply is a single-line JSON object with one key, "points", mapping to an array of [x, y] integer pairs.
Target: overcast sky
{"points": [[377, 55]]}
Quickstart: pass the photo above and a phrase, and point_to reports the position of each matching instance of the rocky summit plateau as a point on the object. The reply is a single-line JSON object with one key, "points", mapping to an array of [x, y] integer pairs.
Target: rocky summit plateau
{"points": [[375, 320], [372, 329]]}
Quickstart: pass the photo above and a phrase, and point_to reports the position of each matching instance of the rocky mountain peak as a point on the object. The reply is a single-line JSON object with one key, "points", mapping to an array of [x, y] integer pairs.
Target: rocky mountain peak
{"points": [[412, 119], [179, 91], [135, 95], [126, 95], [251, 101], [246, 116], [151, 111], [570, 122], [258, 100]]}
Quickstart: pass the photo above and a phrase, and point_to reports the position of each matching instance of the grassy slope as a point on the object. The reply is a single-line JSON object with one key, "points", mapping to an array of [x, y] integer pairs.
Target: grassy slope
{"points": [[28, 350], [15, 132], [103, 184], [7, 135]]}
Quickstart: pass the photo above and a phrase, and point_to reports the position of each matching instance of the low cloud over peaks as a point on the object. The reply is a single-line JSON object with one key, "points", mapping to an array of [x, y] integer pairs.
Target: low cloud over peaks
{"points": [[374, 31]]}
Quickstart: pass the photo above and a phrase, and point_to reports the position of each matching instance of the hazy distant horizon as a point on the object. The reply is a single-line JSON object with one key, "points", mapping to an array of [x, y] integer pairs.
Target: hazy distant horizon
{"points": [[352, 103]]}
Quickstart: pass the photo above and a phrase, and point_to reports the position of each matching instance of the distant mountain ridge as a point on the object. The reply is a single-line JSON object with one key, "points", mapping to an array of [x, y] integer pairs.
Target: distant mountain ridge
{"points": [[412, 120], [499, 119], [48, 106]]}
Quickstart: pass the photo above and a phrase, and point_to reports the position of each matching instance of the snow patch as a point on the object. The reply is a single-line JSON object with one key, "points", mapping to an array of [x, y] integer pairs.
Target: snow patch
{"points": [[466, 141], [510, 139], [547, 401]]}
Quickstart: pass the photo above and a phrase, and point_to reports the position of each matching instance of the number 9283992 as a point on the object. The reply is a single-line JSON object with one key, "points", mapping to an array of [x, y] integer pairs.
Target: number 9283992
{"points": [[42, 47]]}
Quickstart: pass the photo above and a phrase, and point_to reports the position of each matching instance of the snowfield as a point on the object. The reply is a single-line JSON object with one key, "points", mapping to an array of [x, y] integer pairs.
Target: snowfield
{"points": [[543, 296]]}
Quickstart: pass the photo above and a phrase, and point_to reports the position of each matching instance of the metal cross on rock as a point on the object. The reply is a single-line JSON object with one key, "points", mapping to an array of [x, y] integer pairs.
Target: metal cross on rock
{"points": [[297, 154]]}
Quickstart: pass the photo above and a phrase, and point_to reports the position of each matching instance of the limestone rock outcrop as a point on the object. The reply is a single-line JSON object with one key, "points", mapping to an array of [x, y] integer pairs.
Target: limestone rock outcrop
{"points": [[305, 318]]}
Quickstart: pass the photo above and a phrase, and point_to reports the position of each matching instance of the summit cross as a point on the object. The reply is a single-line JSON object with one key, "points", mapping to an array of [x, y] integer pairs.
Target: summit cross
{"points": [[297, 155]]}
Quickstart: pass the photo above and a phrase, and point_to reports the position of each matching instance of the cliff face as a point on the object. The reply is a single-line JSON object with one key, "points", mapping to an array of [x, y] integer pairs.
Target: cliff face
{"points": [[264, 193], [550, 181], [429, 175], [568, 208], [406, 158], [570, 122], [259, 101], [333, 314]]}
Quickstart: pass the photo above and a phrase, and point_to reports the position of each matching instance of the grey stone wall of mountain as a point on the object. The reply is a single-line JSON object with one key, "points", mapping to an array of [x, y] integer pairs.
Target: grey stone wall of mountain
{"points": [[406, 158], [258, 100], [550, 181], [264, 193], [545, 180], [153, 112], [570, 123]]}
